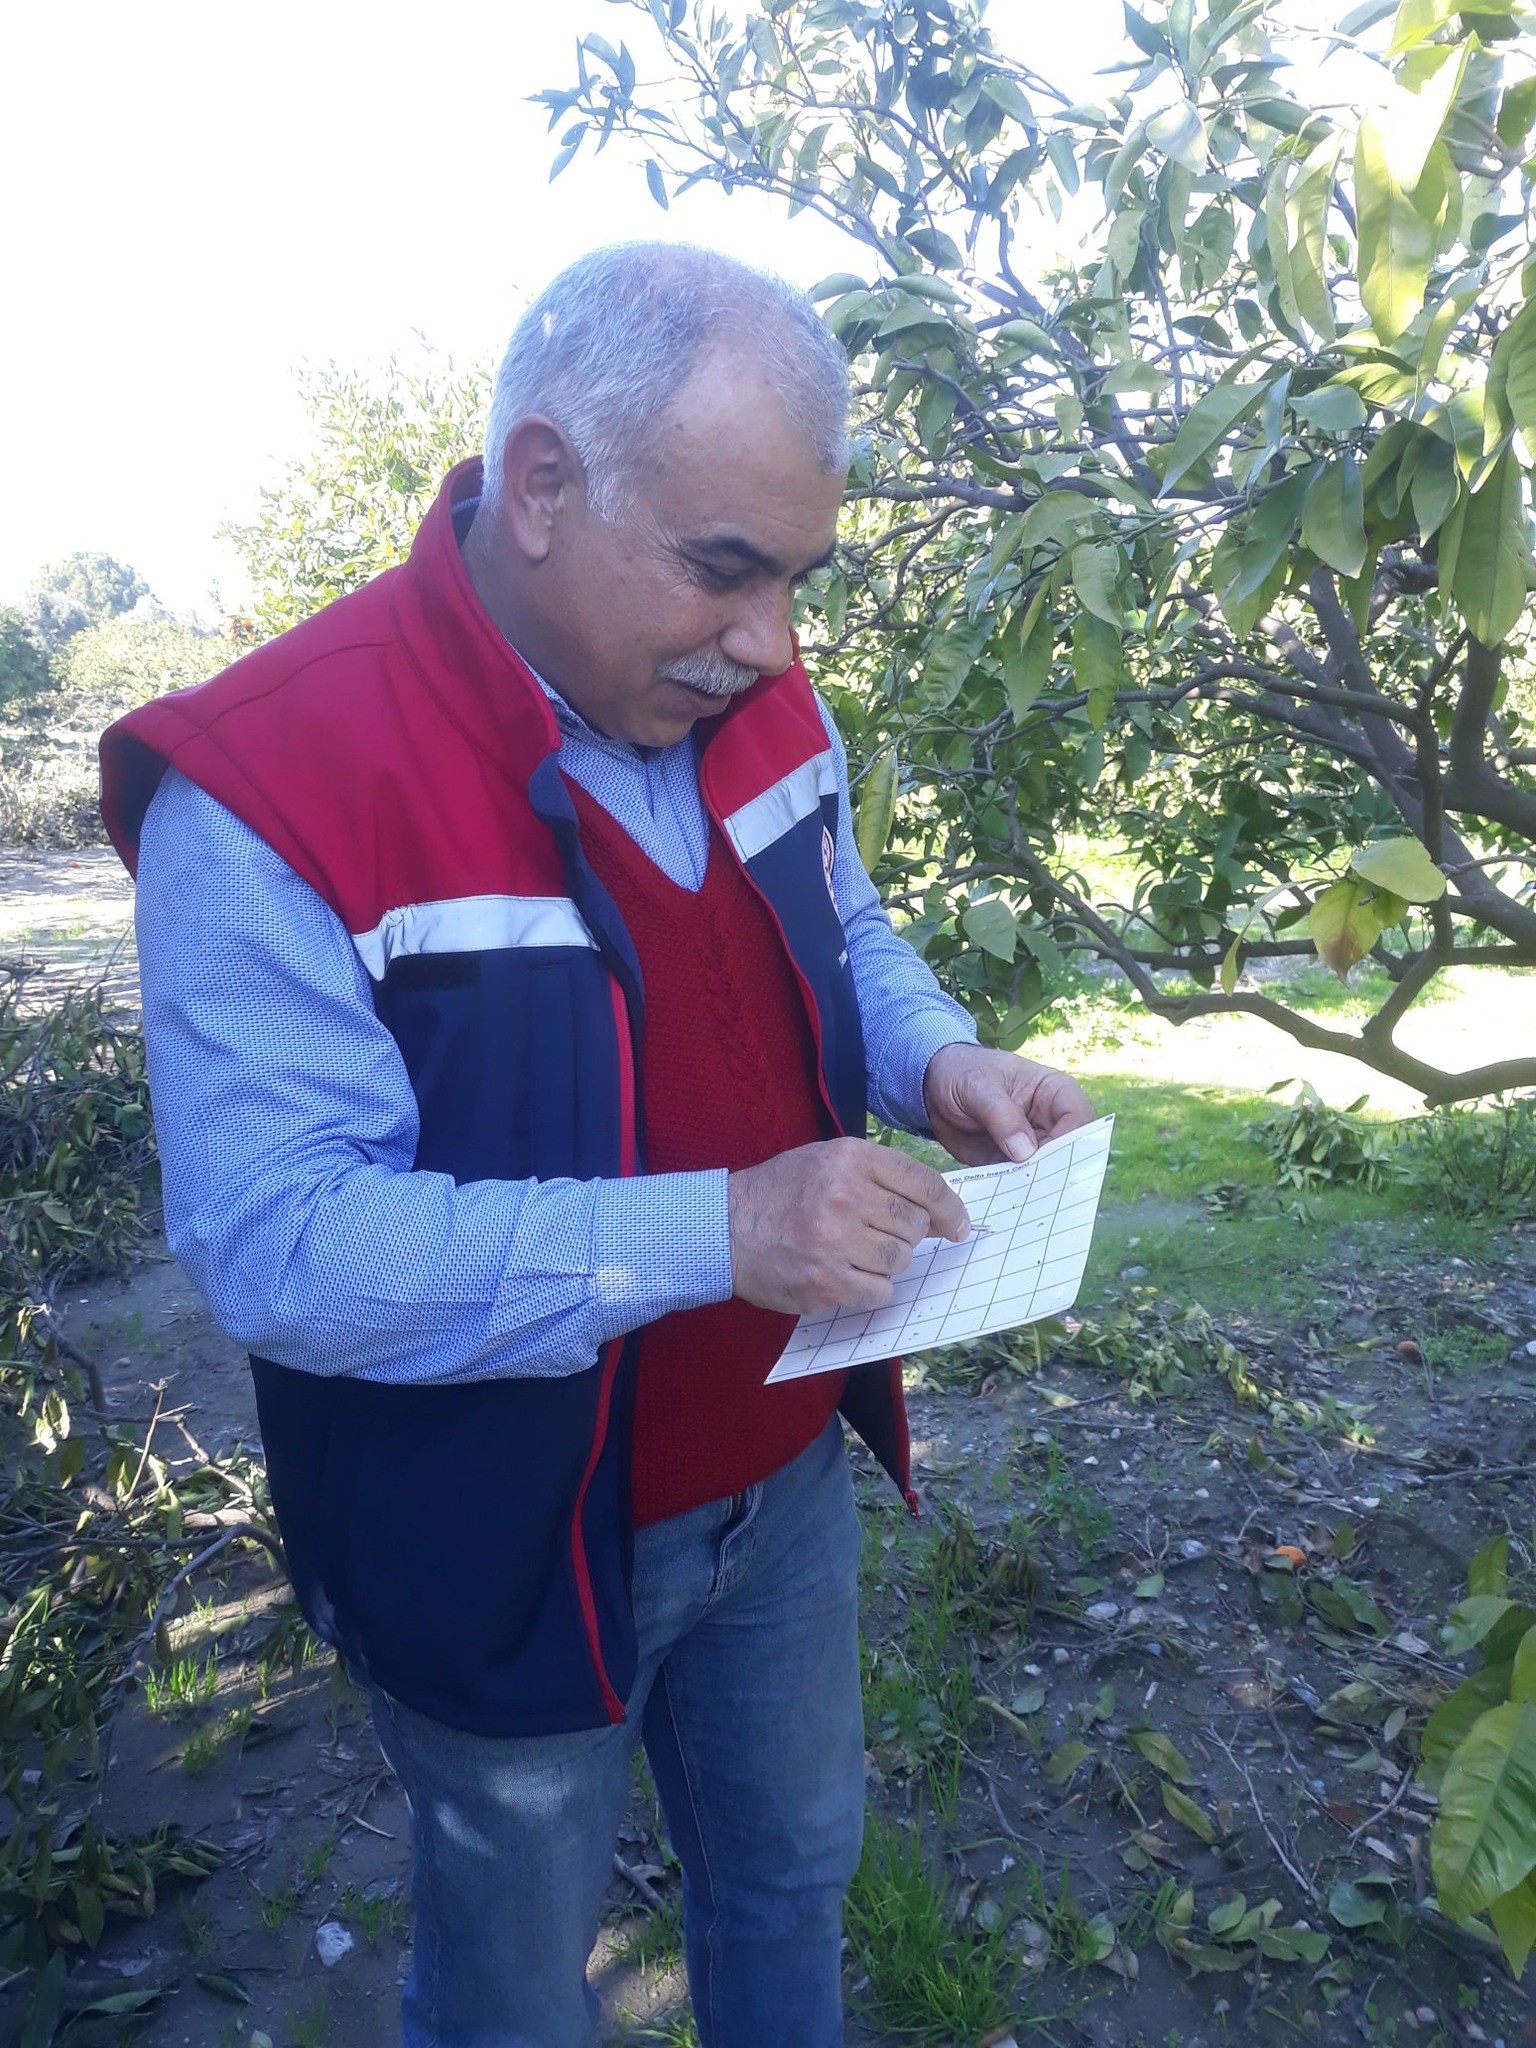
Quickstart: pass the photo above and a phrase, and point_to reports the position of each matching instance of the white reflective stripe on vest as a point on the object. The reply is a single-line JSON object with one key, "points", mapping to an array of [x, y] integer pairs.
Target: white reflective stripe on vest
{"points": [[471, 924], [778, 810]]}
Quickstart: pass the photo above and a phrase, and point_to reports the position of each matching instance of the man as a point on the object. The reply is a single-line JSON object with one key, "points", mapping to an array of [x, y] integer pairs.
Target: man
{"points": [[513, 994]]}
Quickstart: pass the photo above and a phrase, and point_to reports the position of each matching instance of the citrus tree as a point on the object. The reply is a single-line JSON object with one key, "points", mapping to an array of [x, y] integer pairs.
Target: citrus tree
{"points": [[1190, 521]]}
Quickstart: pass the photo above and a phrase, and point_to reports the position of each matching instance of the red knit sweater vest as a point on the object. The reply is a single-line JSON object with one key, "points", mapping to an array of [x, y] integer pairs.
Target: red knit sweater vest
{"points": [[728, 1078]]}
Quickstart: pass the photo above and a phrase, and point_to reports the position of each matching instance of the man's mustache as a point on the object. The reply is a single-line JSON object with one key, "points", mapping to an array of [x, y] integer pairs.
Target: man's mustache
{"points": [[712, 672]]}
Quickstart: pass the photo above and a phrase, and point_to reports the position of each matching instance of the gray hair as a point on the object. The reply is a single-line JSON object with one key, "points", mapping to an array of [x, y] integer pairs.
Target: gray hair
{"points": [[605, 348]]}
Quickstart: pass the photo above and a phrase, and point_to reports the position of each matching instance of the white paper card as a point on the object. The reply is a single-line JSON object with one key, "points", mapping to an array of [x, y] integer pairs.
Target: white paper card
{"points": [[1031, 1228]]}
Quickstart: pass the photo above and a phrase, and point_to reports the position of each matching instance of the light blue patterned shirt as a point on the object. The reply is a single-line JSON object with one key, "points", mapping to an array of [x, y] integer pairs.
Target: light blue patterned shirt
{"points": [[287, 1126]]}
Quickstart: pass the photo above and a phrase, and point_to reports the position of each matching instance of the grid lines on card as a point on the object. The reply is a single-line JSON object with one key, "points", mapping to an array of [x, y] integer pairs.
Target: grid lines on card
{"points": [[1032, 1225]]}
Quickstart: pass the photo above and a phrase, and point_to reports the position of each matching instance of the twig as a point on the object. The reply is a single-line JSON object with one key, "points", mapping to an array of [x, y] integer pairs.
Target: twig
{"points": [[163, 1607], [642, 1885], [1381, 1813], [1303, 1883], [149, 1438]]}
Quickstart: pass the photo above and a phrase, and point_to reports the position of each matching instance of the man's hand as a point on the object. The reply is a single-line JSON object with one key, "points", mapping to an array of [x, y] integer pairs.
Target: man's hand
{"points": [[985, 1106], [826, 1226]]}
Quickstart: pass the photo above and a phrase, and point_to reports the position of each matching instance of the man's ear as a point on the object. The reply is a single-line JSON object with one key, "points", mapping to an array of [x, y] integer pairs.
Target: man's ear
{"points": [[541, 482]]}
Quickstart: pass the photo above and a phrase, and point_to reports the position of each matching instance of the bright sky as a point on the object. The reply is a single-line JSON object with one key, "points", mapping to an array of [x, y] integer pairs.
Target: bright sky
{"points": [[203, 197]]}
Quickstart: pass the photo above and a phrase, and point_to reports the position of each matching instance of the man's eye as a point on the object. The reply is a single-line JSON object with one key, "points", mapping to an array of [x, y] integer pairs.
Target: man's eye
{"points": [[715, 578]]}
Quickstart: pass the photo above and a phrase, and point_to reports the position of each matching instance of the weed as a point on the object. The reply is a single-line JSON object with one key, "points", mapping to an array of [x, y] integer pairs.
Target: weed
{"points": [[207, 1746], [1065, 1501], [925, 1974], [656, 1941], [377, 1909], [184, 1684], [1480, 1159], [197, 1928], [278, 1905], [308, 2029]]}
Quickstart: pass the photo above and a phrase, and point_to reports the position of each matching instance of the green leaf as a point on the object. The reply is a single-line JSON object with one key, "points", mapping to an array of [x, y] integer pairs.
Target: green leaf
{"points": [[1293, 1944], [1333, 516], [1180, 134], [1522, 1677], [656, 182], [1353, 1906], [1447, 1726], [1514, 1921], [1396, 242], [1182, 1808], [1512, 375], [1332, 409], [1414, 119], [1418, 19], [47, 2004], [991, 925], [1056, 516], [224, 1987], [1517, 113], [1472, 1619], [1096, 568], [1267, 539], [1436, 485], [1027, 657], [1206, 425], [1231, 967], [1485, 551], [877, 807], [1402, 865], [951, 658], [1488, 1571], [1484, 1841], [1065, 1761], [1098, 659], [1162, 1755], [1344, 926]]}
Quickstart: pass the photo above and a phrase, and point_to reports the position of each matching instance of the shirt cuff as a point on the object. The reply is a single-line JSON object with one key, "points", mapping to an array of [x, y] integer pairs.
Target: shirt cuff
{"points": [[900, 1099], [661, 1242]]}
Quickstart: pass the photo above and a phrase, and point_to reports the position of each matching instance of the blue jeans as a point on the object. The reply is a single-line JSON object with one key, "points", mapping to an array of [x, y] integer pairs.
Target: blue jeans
{"points": [[747, 1700]]}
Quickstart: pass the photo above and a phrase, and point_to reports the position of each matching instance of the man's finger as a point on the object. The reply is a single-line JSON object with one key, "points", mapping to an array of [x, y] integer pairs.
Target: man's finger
{"points": [[1003, 1117], [925, 1187]]}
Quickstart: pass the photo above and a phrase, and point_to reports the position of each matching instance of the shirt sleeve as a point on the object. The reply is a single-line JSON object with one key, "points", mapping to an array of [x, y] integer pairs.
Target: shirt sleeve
{"points": [[906, 1016], [287, 1129]]}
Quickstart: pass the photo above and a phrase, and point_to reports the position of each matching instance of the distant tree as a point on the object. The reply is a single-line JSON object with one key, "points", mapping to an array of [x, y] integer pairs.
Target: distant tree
{"points": [[81, 591], [110, 668], [23, 663], [350, 508]]}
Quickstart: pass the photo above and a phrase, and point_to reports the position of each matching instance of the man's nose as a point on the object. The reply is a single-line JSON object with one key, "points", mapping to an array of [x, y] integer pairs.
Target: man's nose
{"points": [[758, 633]]}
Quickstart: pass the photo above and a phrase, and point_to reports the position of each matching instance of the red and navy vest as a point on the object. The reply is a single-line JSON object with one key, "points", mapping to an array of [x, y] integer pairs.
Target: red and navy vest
{"points": [[468, 1548]]}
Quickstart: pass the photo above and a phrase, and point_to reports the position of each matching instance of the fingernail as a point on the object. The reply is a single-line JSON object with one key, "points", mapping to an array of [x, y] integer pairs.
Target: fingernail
{"points": [[1019, 1146]]}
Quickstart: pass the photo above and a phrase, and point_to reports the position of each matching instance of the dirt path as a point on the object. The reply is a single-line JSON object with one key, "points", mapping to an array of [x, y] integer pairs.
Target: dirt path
{"points": [[69, 918]]}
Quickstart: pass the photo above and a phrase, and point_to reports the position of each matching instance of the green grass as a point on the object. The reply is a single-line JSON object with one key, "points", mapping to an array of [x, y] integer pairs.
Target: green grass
{"points": [[185, 1683], [928, 1978]]}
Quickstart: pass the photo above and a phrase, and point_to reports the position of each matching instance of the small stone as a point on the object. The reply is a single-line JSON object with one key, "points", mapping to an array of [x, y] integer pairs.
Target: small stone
{"points": [[332, 1942], [1202, 1493], [1530, 1349], [1153, 1649], [1060, 1657], [1426, 2015], [1192, 1549], [1103, 1610]]}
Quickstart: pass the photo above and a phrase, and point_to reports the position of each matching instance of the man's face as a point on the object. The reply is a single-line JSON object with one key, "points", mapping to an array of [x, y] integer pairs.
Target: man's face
{"points": [[664, 615]]}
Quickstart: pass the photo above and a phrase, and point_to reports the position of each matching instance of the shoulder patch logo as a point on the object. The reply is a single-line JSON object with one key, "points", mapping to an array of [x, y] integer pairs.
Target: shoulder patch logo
{"points": [[828, 856]]}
